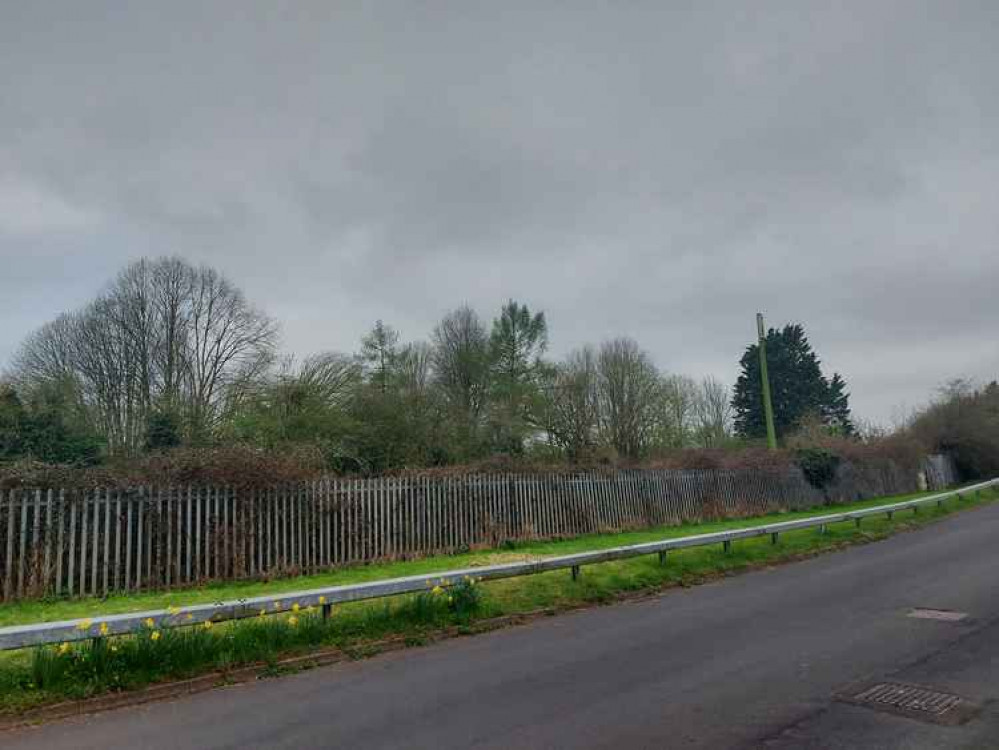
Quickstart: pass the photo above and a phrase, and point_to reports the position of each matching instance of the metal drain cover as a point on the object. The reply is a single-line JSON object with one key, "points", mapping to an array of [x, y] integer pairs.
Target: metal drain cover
{"points": [[947, 615], [914, 701]]}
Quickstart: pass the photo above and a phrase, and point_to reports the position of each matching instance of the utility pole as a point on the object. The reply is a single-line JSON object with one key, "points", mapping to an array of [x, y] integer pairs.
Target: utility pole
{"points": [[768, 407]]}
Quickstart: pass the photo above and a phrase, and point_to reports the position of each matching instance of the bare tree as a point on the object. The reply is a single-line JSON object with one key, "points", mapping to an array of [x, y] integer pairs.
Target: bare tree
{"points": [[163, 335], [712, 413], [461, 365], [416, 368], [572, 403], [331, 376], [47, 354], [106, 372], [677, 405], [628, 384], [172, 288], [229, 343]]}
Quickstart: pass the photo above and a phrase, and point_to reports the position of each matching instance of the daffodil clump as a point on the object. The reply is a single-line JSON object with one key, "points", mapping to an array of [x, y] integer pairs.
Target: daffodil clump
{"points": [[448, 600], [178, 645], [100, 661]]}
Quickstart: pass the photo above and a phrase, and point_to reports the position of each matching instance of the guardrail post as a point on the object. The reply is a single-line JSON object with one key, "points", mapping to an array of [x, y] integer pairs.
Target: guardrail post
{"points": [[575, 572], [822, 529], [727, 545], [857, 522], [662, 557], [890, 514], [327, 610], [773, 537]]}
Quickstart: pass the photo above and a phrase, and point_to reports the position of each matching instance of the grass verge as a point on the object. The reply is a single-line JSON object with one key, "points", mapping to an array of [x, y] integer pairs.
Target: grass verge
{"points": [[35, 677], [50, 610]]}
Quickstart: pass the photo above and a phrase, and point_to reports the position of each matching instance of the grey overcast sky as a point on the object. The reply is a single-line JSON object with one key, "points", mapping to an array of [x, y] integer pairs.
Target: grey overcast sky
{"points": [[661, 170]]}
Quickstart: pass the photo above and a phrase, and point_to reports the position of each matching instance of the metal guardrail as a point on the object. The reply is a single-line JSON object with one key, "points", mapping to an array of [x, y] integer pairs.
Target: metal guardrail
{"points": [[21, 636]]}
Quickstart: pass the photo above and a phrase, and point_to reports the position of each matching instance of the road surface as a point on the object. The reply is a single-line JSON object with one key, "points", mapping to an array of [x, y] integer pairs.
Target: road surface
{"points": [[752, 661]]}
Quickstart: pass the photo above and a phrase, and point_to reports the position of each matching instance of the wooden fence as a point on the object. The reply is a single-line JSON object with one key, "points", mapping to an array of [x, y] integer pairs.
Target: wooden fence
{"points": [[100, 541]]}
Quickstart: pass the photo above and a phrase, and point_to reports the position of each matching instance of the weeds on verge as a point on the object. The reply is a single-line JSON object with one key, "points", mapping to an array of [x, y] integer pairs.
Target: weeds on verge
{"points": [[111, 664]]}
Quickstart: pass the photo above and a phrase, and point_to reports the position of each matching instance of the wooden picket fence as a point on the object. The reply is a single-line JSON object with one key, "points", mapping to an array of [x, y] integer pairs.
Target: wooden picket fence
{"points": [[102, 541]]}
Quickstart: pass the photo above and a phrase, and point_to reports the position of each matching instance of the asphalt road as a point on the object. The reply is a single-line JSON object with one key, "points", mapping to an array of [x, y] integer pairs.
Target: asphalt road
{"points": [[753, 661]]}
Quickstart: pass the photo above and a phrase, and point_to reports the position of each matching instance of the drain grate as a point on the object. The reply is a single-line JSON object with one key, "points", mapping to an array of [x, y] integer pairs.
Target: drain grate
{"points": [[947, 615], [914, 701], [910, 698]]}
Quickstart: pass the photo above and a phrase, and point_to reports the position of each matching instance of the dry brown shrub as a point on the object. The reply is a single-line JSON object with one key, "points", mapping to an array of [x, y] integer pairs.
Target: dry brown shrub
{"points": [[233, 466]]}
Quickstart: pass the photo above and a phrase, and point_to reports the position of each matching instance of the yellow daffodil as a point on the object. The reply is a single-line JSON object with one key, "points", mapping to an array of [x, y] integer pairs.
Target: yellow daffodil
{"points": [[294, 607], [104, 628], [173, 610], [63, 648], [114, 649], [262, 613], [84, 624], [189, 616], [310, 609], [155, 636], [293, 621], [150, 623], [322, 600], [437, 591], [450, 600], [207, 624]]}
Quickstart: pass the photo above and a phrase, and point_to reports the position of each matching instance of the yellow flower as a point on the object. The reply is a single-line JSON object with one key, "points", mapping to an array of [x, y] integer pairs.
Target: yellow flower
{"points": [[173, 610], [84, 624], [450, 600], [104, 628], [437, 591], [150, 623], [262, 613], [294, 607], [310, 609], [63, 648], [207, 624], [276, 606], [322, 600], [156, 635], [114, 649], [293, 621]]}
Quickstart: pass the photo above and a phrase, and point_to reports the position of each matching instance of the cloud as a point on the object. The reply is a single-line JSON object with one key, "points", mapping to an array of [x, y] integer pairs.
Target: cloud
{"points": [[30, 210], [658, 170]]}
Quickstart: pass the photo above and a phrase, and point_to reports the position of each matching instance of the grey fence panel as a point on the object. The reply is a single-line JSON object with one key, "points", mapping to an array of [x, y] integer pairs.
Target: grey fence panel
{"points": [[102, 541], [21, 636]]}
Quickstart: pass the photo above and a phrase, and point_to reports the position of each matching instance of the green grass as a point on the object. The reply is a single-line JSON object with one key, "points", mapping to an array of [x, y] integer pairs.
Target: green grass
{"points": [[33, 677], [49, 610]]}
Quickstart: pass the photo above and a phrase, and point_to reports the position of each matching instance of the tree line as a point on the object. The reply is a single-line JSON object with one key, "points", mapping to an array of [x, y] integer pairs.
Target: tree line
{"points": [[172, 354]]}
